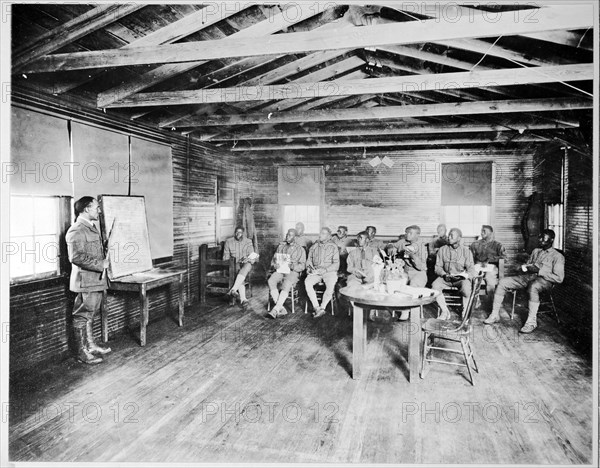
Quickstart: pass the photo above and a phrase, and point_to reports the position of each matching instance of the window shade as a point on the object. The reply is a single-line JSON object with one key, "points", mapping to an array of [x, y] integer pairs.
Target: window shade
{"points": [[300, 185], [103, 161], [467, 184], [152, 177], [40, 154]]}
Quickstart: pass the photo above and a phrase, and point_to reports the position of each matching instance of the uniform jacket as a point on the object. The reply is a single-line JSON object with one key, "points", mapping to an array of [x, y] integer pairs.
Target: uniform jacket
{"points": [[86, 254]]}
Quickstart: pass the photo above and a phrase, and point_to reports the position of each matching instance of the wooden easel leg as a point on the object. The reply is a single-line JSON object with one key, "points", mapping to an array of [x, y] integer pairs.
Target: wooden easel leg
{"points": [[144, 315]]}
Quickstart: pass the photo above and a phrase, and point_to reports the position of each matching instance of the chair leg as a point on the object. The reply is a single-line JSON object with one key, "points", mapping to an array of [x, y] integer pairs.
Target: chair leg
{"points": [[554, 308], [512, 312], [472, 354], [464, 348]]}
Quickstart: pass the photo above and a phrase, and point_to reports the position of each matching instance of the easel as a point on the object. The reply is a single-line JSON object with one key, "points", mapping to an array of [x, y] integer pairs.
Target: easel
{"points": [[133, 272]]}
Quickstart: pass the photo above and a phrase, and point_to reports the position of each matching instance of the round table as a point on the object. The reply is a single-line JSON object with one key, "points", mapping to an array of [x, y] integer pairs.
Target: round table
{"points": [[364, 298]]}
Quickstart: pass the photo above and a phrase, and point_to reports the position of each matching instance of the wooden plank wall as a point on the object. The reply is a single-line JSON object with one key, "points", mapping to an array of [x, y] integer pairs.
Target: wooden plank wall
{"points": [[392, 198], [39, 313], [574, 297]]}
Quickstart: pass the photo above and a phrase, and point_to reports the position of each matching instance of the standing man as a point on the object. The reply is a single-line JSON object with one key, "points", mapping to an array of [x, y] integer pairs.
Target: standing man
{"points": [[545, 267], [414, 254], [371, 233], [454, 267], [323, 264], [240, 248], [291, 258], [342, 241], [360, 261], [487, 253], [86, 254]]}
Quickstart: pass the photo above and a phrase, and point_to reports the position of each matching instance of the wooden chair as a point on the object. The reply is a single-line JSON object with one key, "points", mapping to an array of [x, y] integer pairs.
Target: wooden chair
{"points": [[451, 330], [217, 275], [549, 302], [320, 290], [482, 289], [292, 296]]}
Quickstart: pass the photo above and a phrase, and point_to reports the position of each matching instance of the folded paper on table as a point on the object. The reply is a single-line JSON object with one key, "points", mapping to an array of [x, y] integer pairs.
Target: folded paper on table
{"points": [[253, 256], [416, 293]]}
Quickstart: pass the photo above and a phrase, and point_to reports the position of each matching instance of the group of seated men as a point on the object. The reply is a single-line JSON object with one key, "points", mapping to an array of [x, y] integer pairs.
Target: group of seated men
{"points": [[453, 264]]}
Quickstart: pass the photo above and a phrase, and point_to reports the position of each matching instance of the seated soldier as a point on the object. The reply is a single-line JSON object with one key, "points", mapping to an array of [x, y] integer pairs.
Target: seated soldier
{"points": [[240, 247], [322, 264], [454, 267], [371, 233], [301, 239], [414, 254], [433, 246], [342, 241], [545, 267], [288, 262], [360, 261], [487, 253]]}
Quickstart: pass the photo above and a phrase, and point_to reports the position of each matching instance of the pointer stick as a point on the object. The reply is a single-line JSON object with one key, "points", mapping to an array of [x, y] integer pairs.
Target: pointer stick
{"points": [[110, 233]]}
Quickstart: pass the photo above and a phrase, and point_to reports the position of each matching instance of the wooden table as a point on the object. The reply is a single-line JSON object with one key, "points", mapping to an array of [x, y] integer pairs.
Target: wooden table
{"points": [[362, 298], [142, 283]]}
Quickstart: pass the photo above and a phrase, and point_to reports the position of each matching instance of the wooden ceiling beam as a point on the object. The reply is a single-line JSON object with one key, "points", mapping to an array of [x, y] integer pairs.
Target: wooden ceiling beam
{"points": [[548, 19], [400, 84], [163, 72], [453, 11], [395, 112], [66, 33], [388, 130], [173, 32], [389, 143]]}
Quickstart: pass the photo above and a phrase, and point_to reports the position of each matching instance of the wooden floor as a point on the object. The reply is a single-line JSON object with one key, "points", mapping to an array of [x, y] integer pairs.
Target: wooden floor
{"points": [[235, 387]]}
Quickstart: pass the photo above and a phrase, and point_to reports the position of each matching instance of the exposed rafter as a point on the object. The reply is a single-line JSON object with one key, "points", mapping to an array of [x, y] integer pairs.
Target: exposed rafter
{"points": [[388, 130], [560, 17], [400, 84], [70, 31], [396, 112]]}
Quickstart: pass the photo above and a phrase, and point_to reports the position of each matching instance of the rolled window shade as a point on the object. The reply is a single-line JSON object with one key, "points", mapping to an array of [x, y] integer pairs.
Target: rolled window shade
{"points": [[467, 184], [152, 177], [39, 154], [300, 185], [102, 159]]}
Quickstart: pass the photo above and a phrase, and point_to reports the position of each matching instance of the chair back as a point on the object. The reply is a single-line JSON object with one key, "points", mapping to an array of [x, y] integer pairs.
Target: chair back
{"points": [[464, 325]]}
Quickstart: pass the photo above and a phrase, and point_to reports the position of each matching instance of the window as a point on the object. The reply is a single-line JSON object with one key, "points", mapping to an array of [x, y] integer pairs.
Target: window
{"points": [[467, 196], [307, 214], [225, 213], [34, 251], [554, 221], [468, 219]]}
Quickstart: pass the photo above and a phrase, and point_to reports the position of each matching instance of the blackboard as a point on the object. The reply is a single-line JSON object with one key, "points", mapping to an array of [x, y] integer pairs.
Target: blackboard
{"points": [[125, 229]]}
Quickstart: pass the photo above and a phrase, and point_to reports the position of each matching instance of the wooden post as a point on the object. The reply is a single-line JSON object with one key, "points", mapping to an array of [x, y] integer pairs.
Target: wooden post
{"points": [[203, 256]]}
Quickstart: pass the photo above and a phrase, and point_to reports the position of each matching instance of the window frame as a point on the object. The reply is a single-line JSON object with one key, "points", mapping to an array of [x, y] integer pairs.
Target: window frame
{"points": [[307, 233], [63, 222], [492, 220]]}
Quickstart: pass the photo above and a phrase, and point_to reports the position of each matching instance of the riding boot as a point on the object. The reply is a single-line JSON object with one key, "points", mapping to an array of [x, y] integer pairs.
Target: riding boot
{"points": [[83, 354], [92, 345]]}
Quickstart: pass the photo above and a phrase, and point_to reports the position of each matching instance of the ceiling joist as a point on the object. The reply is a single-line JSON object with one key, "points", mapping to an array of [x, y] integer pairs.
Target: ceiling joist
{"points": [[400, 84], [548, 19]]}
